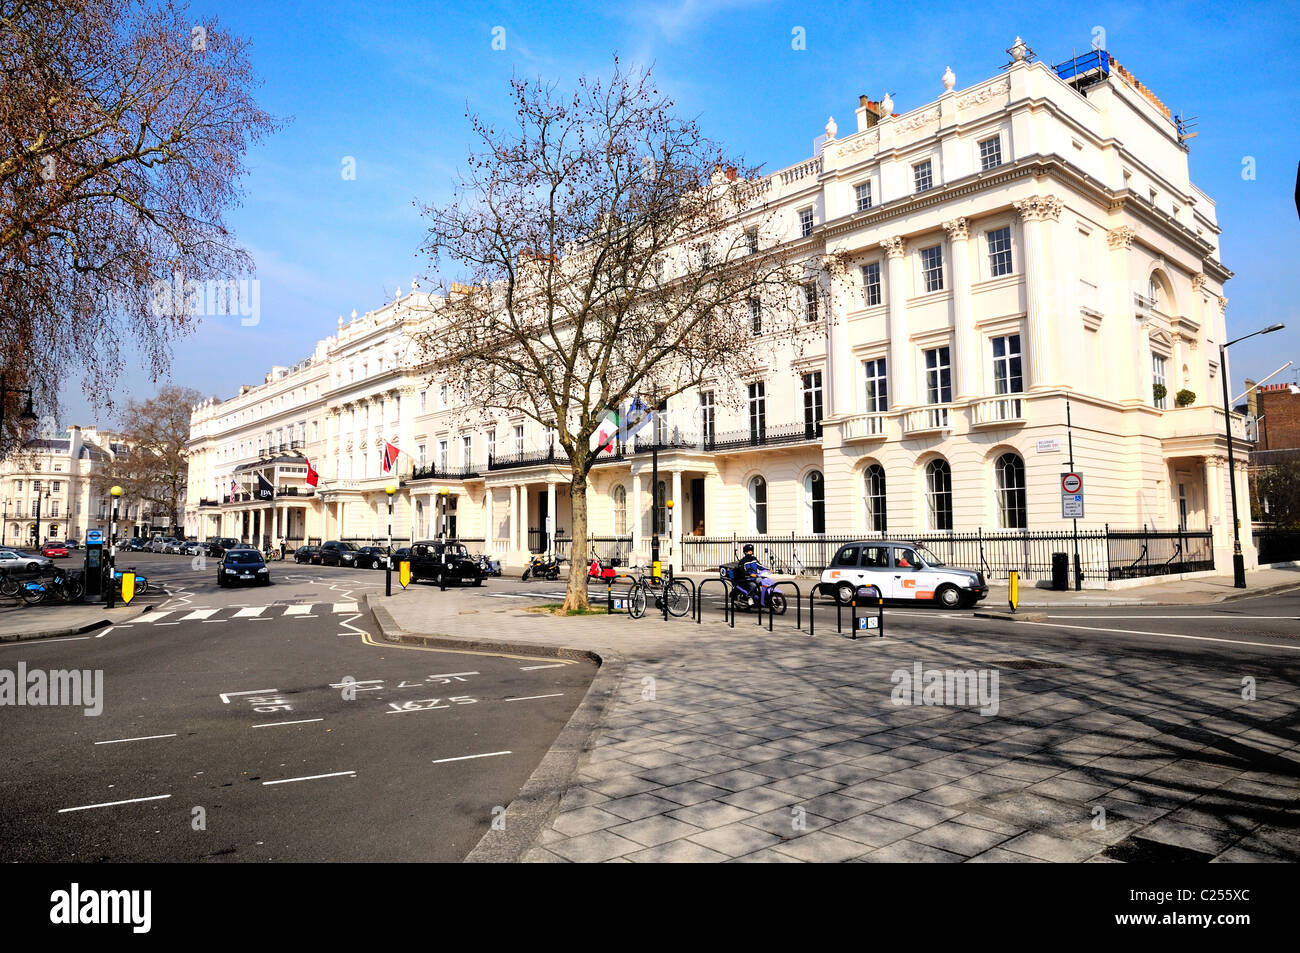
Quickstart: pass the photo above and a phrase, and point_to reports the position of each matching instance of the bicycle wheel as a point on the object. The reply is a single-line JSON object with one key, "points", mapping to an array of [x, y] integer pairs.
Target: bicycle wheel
{"points": [[678, 597], [636, 603], [8, 586], [32, 596], [75, 589]]}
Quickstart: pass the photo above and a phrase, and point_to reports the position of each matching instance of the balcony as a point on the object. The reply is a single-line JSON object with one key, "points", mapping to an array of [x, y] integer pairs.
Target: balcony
{"points": [[295, 491], [432, 471], [998, 412], [758, 435], [927, 420], [527, 458], [862, 427]]}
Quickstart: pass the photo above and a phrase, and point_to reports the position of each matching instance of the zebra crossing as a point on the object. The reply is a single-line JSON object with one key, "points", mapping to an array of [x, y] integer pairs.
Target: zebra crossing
{"points": [[305, 610]]}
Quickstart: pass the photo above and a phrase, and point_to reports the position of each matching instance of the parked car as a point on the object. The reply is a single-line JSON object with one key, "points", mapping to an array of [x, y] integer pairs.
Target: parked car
{"points": [[157, 543], [433, 559], [901, 570], [306, 554], [54, 549], [73, 544], [135, 544], [243, 565], [193, 547], [371, 557], [174, 546], [17, 559], [338, 553], [217, 545]]}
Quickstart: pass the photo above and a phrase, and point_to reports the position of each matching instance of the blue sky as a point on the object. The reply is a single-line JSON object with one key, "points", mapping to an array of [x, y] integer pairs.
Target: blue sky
{"points": [[389, 84]]}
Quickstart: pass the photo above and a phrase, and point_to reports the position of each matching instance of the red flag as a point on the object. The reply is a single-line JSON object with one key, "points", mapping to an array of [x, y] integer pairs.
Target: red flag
{"points": [[313, 478], [390, 456]]}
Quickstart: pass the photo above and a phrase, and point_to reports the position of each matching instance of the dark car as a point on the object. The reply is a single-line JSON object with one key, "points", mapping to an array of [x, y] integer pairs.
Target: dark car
{"points": [[338, 553], [371, 557], [243, 565], [433, 560], [135, 544], [306, 554], [218, 545], [74, 544]]}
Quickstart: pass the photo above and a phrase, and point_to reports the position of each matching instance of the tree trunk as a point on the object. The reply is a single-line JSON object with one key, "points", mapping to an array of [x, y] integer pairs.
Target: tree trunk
{"points": [[575, 595]]}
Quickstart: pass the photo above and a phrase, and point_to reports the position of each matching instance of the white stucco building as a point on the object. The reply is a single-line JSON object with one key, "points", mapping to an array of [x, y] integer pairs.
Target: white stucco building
{"points": [[1030, 239]]}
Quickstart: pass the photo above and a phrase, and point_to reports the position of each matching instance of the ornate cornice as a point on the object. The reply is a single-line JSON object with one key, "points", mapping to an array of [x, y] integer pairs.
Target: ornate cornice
{"points": [[984, 94]]}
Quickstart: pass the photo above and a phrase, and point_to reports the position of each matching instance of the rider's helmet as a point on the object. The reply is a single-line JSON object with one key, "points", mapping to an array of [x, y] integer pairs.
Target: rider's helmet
{"points": [[749, 549]]}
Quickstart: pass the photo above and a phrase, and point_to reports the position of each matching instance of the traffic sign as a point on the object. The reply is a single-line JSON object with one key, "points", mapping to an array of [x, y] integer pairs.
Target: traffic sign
{"points": [[1071, 482], [1071, 496]]}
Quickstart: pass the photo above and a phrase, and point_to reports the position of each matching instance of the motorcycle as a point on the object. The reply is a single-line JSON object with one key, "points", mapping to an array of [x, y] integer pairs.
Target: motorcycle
{"points": [[490, 567], [768, 597], [543, 566]]}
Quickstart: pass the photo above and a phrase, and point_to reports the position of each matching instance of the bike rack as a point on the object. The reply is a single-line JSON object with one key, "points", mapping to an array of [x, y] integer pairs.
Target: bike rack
{"points": [[728, 612], [690, 582], [609, 591], [853, 615], [798, 605]]}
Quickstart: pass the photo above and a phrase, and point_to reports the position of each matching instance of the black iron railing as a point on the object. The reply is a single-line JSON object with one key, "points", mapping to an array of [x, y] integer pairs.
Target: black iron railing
{"points": [[1277, 545], [527, 458], [432, 471], [1104, 554]]}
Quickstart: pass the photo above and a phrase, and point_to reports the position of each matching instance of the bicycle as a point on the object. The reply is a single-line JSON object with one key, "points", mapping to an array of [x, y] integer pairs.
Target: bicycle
{"points": [[674, 594], [795, 567], [62, 585]]}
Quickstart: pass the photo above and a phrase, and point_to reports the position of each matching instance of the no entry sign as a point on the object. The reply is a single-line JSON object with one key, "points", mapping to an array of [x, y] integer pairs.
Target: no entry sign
{"points": [[1071, 483], [1071, 496]]}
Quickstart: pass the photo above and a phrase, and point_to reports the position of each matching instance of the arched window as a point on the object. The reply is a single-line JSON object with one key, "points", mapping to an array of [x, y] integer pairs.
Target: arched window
{"points": [[1009, 478], [814, 495], [938, 495], [620, 510], [873, 498], [758, 505]]}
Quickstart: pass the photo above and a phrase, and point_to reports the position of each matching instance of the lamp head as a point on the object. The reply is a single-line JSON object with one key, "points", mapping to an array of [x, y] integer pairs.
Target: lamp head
{"points": [[116, 492], [390, 489], [669, 504]]}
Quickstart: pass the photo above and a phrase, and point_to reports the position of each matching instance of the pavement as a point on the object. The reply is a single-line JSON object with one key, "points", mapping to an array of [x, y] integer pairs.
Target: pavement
{"points": [[19, 621], [1152, 735]]}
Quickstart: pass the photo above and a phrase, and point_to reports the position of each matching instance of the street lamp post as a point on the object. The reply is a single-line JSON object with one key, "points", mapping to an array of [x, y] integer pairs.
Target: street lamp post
{"points": [[671, 550], [116, 493], [388, 563], [1238, 560]]}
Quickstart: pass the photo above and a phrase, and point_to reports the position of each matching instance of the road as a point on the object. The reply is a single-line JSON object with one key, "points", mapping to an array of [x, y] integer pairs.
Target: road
{"points": [[270, 724]]}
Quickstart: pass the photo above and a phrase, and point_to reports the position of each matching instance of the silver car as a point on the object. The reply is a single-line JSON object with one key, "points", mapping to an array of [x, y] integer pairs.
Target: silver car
{"points": [[16, 559]]}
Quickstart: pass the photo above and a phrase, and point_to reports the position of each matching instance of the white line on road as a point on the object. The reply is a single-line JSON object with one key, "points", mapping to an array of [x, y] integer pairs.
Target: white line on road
{"points": [[533, 668], [531, 697], [453, 674], [134, 800], [110, 629], [470, 757], [1175, 618], [250, 612], [407, 711], [118, 741], [313, 777], [274, 724], [1168, 635], [226, 696], [297, 610], [198, 614], [27, 644], [345, 607]]}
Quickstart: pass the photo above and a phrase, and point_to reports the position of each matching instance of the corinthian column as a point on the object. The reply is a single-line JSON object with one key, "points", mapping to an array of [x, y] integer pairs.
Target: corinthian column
{"points": [[1038, 213], [900, 368], [966, 359]]}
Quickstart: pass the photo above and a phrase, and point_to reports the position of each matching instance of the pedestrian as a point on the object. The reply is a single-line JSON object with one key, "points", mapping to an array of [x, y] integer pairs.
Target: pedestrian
{"points": [[283, 546]]}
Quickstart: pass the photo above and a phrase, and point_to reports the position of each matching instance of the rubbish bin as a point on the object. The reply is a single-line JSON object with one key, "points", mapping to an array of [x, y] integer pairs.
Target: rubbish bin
{"points": [[1060, 571]]}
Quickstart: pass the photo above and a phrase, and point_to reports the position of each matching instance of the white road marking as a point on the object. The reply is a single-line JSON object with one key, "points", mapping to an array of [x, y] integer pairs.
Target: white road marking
{"points": [[312, 777], [275, 724], [533, 668], [1175, 618], [27, 643], [297, 610], [250, 612], [166, 623], [471, 757], [531, 697], [226, 696], [407, 711], [1168, 635], [155, 616], [105, 632], [345, 607], [119, 741], [453, 674], [134, 800], [197, 614]]}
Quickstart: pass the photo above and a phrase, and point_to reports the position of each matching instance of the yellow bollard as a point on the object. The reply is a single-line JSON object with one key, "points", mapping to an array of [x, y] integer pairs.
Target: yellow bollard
{"points": [[1014, 592]]}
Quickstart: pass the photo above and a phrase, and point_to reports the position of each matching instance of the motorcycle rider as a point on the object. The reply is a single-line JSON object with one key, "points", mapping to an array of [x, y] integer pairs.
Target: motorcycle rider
{"points": [[745, 573]]}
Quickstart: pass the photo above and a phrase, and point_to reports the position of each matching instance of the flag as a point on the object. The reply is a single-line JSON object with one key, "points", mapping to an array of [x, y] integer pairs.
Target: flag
{"points": [[639, 413], [234, 489], [313, 478], [265, 491], [390, 456], [607, 432]]}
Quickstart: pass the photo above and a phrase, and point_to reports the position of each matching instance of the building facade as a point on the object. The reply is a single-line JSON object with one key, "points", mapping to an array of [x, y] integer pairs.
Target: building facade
{"points": [[1021, 253], [52, 489]]}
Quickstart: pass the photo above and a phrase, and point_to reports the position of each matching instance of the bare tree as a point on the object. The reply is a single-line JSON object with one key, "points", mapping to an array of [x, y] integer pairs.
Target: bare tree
{"points": [[603, 251], [154, 468], [123, 127]]}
